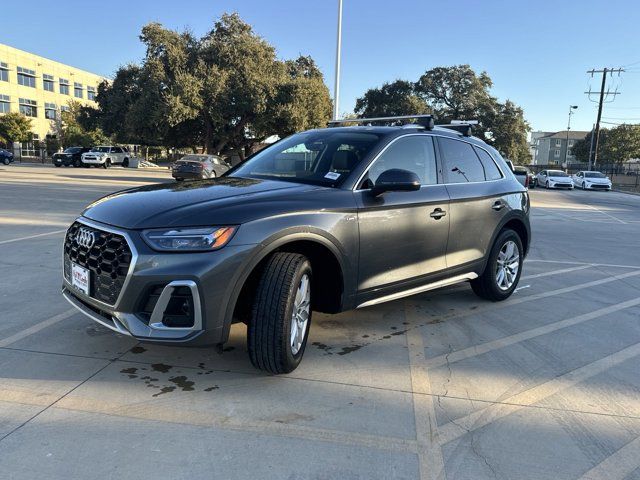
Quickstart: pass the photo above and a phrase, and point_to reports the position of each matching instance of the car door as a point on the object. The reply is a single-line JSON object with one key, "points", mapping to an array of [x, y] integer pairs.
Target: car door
{"points": [[403, 235], [477, 206]]}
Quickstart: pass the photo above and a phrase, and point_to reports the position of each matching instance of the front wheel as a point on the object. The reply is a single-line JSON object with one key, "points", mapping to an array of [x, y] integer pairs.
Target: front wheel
{"points": [[125, 163], [77, 163], [546, 184], [504, 266], [584, 186], [281, 314], [106, 164]]}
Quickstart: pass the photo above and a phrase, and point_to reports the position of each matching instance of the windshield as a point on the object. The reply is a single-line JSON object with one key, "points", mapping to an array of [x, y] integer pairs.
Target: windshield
{"points": [[100, 149], [194, 158], [594, 175], [557, 173], [520, 169], [324, 157], [72, 150]]}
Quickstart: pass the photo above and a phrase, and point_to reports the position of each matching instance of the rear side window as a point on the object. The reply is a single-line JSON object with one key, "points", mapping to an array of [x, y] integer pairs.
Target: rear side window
{"points": [[460, 163], [491, 170]]}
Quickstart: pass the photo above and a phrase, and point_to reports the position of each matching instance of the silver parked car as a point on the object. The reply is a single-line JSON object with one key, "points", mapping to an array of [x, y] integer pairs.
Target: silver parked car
{"points": [[554, 179], [195, 167], [589, 180]]}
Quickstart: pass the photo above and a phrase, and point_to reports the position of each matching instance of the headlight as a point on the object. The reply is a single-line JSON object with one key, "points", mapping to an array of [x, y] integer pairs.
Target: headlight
{"points": [[188, 239]]}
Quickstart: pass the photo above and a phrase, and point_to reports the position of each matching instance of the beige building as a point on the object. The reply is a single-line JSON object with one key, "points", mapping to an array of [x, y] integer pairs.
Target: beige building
{"points": [[41, 88]]}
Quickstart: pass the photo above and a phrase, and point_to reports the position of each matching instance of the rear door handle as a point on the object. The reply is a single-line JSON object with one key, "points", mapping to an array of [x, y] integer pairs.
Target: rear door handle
{"points": [[438, 213], [498, 205]]}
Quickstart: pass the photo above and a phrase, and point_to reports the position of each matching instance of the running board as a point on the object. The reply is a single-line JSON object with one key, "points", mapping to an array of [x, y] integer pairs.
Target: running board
{"points": [[429, 286]]}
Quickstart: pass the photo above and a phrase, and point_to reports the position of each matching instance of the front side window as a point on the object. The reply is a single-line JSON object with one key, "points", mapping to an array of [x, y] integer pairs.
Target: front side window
{"points": [[50, 111], [77, 90], [28, 107], [64, 86], [460, 163], [323, 157], [47, 82], [4, 72], [5, 104], [414, 153], [26, 77], [491, 170]]}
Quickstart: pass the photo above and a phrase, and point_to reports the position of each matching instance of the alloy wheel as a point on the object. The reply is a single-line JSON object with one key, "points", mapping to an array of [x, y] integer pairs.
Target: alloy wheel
{"points": [[508, 264], [300, 314]]}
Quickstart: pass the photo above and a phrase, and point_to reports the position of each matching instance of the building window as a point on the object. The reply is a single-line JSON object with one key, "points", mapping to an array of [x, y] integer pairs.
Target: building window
{"points": [[47, 82], [28, 107], [557, 154], [64, 86], [5, 104], [569, 154], [558, 142], [4, 72], [91, 93], [77, 90], [65, 108], [26, 77], [28, 149], [50, 111], [571, 143]]}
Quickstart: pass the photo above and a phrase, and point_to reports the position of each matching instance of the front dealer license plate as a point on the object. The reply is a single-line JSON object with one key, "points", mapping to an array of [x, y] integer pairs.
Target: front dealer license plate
{"points": [[80, 278]]}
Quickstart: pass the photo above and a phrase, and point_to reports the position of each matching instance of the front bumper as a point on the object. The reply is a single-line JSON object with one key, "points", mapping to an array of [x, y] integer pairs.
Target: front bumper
{"points": [[597, 186], [561, 185], [93, 161], [144, 307]]}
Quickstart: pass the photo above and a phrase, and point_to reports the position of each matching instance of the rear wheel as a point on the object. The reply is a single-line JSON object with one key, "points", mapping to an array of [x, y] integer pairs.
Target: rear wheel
{"points": [[107, 163], [56, 164], [546, 184], [77, 163], [504, 266], [6, 161], [125, 163], [281, 314]]}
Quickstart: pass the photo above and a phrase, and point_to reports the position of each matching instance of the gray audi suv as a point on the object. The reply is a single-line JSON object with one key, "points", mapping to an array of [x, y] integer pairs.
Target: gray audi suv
{"points": [[325, 220]]}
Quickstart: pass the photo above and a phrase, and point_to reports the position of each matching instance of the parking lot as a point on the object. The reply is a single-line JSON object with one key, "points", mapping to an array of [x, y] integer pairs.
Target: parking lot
{"points": [[440, 385]]}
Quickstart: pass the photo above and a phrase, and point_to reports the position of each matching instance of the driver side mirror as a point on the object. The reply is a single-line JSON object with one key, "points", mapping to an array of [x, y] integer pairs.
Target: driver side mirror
{"points": [[396, 180]]}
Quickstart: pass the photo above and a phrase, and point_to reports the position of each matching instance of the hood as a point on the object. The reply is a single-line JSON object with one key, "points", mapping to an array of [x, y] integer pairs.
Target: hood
{"points": [[560, 179], [221, 201], [597, 180]]}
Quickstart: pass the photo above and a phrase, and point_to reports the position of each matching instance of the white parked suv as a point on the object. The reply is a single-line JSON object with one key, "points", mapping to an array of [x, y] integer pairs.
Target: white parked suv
{"points": [[105, 156]]}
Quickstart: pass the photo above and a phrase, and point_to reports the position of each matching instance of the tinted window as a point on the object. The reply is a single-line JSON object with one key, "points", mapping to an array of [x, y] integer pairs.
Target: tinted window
{"points": [[414, 153], [460, 163], [491, 171]]}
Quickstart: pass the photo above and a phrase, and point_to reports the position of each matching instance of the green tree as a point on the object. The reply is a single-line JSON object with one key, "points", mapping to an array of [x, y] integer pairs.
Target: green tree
{"points": [[581, 148], [620, 144], [14, 127], [69, 129], [455, 93], [396, 98]]}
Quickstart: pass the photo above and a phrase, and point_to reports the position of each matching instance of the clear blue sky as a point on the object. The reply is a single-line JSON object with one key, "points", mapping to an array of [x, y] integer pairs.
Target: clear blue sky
{"points": [[536, 52]]}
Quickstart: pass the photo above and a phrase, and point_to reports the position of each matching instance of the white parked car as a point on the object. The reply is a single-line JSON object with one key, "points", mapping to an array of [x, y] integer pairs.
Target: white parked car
{"points": [[554, 179], [588, 180], [105, 156]]}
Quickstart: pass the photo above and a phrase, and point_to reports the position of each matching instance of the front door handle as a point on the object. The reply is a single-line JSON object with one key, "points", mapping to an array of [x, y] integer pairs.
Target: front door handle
{"points": [[438, 213], [498, 205]]}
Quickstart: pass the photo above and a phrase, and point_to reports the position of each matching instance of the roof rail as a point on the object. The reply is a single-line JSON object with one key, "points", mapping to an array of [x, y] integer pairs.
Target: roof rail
{"points": [[465, 127], [425, 121]]}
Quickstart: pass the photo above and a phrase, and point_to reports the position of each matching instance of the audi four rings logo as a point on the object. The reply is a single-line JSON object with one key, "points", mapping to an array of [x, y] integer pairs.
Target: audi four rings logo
{"points": [[85, 238]]}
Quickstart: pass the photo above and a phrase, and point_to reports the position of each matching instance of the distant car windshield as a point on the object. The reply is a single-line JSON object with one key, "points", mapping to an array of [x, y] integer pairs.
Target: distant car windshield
{"points": [[521, 169], [72, 150], [557, 173], [194, 158], [100, 149], [323, 157], [594, 175]]}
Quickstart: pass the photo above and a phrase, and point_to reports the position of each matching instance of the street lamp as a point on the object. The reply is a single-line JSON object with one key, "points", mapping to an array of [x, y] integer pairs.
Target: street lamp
{"points": [[336, 87], [566, 149]]}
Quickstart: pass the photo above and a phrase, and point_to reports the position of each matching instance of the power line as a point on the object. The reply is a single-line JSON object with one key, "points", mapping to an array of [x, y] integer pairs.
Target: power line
{"points": [[608, 93]]}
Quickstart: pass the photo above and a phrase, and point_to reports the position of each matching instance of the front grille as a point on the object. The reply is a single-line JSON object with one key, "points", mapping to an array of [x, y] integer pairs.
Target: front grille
{"points": [[563, 184], [108, 259], [595, 185]]}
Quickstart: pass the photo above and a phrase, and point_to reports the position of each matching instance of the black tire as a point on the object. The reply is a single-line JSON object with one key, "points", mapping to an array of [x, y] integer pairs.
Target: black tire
{"points": [[269, 329], [125, 163], [584, 186], [56, 164], [546, 184], [179, 179], [486, 285], [77, 163], [106, 164], [6, 161]]}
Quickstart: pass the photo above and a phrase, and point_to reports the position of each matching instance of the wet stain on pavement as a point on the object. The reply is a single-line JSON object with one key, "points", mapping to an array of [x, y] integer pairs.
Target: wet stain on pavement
{"points": [[130, 371], [138, 349], [161, 367], [211, 389], [183, 382], [164, 390]]}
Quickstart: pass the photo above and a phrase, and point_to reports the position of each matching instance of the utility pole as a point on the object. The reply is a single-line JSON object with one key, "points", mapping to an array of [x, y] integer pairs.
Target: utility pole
{"points": [[336, 85], [604, 72], [566, 148]]}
